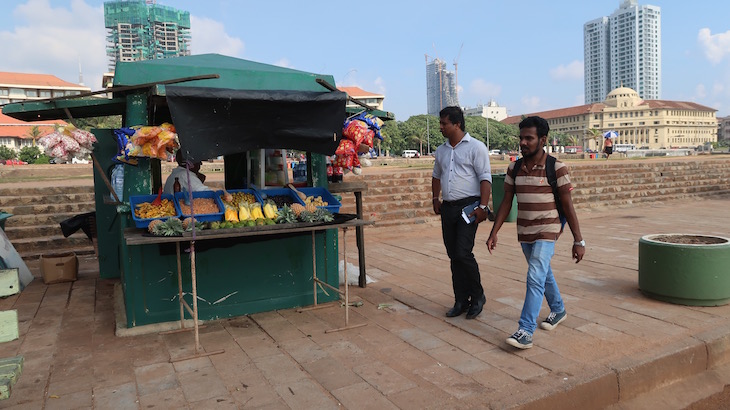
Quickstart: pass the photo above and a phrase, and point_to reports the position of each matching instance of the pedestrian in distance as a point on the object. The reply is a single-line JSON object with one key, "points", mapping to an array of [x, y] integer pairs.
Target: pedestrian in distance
{"points": [[539, 225], [608, 147], [463, 177]]}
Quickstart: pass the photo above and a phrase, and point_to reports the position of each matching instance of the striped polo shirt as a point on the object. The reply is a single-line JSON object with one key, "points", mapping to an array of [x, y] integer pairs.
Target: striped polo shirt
{"points": [[537, 214]]}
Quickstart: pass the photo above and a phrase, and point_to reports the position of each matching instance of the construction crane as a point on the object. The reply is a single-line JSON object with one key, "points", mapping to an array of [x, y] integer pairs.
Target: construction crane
{"points": [[456, 71]]}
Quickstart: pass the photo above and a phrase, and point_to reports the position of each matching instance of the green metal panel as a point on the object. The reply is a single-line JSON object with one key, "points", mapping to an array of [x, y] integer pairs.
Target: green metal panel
{"points": [[240, 277], [107, 221], [234, 73]]}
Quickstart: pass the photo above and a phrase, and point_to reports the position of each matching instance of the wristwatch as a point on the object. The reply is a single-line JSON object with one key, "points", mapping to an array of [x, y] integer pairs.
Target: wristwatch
{"points": [[483, 207], [580, 243]]}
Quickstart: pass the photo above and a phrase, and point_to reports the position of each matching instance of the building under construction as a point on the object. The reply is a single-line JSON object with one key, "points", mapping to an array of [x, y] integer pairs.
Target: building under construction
{"points": [[440, 86], [142, 30]]}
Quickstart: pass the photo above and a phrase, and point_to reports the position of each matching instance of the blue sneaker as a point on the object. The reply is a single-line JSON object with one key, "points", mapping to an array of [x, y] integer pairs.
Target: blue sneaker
{"points": [[553, 319], [520, 339]]}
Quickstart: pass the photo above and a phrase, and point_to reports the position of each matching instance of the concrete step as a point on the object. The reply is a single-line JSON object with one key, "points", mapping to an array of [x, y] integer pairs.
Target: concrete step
{"points": [[40, 219], [32, 231], [34, 247], [50, 190], [8, 201], [73, 208]]}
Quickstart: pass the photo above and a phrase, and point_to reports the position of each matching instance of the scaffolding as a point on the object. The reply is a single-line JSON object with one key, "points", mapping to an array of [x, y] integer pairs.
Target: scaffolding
{"points": [[139, 30], [440, 86]]}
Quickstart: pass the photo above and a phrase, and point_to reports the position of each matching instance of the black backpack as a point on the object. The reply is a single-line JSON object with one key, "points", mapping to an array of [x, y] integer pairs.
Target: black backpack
{"points": [[552, 180]]}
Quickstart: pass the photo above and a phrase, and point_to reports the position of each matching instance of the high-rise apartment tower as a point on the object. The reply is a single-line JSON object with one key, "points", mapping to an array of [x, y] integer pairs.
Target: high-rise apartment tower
{"points": [[623, 50], [440, 86], [143, 30]]}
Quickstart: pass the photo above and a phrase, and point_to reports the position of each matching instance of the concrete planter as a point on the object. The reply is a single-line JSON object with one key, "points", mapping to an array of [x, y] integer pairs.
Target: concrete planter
{"points": [[685, 269]]}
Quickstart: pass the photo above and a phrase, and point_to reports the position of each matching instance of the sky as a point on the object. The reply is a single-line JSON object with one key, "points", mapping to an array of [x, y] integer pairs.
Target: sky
{"points": [[526, 55]]}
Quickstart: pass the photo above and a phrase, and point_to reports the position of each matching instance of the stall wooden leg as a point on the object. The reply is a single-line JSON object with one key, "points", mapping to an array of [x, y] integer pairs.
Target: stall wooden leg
{"points": [[183, 305], [360, 236], [347, 291], [196, 325]]}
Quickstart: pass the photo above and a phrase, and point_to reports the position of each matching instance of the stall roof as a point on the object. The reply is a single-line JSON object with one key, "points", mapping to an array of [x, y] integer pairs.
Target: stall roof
{"points": [[232, 73]]}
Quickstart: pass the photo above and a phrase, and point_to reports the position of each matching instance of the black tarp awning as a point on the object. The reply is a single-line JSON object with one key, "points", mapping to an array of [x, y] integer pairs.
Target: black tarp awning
{"points": [[214, 121]]}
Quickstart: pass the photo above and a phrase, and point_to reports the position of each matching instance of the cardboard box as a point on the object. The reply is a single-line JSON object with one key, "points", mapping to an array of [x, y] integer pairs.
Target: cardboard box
{"points": [[60, 267]]}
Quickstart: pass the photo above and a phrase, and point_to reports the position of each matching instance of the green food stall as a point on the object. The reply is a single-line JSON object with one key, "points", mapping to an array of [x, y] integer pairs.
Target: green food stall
{"points": [[221, 106]]}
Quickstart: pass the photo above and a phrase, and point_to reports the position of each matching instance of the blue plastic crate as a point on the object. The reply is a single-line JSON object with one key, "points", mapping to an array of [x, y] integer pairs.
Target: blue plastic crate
{"points": [[282, 191], [140, 199], [333, 205], [233, 191], [211, 217]]}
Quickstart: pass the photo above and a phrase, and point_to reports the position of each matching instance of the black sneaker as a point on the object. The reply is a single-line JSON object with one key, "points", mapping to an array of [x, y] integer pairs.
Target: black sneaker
{"points": [[553, 319], [520, 339]]}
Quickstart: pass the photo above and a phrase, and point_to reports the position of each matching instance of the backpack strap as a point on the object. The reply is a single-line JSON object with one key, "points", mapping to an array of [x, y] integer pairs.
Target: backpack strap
{"points": [[516, 169], [553, 181]]}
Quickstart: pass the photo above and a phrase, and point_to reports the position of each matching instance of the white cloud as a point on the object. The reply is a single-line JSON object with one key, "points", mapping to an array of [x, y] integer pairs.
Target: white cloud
{"points": [[715, 46], [379, 84], [48, 40], [209, 36], [700, 92], [284, 62], [572, 71], [531, 104], [484, 90]]}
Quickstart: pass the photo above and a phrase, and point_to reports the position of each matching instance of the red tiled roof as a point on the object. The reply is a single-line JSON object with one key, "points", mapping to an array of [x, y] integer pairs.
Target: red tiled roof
{"points": [[358, 92], [559, 113], [38, 80], [11, 127], [679, 105]]}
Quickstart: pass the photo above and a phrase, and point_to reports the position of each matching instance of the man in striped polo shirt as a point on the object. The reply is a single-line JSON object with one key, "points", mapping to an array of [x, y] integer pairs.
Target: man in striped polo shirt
{"points": [[538, 227]]}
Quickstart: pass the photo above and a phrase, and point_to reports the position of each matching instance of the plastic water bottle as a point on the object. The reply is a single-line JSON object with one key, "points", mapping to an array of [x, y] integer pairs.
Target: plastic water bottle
{"points": [[118, 180]]}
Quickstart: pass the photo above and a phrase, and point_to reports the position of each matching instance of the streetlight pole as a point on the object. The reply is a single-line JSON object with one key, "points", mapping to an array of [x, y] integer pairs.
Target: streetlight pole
{"points": [[428, 136]]}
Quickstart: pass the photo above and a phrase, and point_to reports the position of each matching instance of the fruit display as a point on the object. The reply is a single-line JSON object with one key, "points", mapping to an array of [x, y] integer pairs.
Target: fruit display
{"points": [[281, 200], [168, 227], [316, 200], [201, 206], [147, 210], [235, 198]]}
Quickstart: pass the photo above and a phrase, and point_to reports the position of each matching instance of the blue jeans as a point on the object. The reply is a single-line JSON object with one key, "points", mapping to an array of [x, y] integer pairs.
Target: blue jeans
{"points": [[540, 281]]}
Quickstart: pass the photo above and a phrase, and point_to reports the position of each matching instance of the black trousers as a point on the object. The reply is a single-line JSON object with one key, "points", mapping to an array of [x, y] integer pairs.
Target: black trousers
{"points": [[459, 241]]}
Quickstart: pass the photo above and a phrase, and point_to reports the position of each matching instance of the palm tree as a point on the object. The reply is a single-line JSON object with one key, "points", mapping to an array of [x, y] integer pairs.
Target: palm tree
{"points": [[596, 136], [34, 133]]}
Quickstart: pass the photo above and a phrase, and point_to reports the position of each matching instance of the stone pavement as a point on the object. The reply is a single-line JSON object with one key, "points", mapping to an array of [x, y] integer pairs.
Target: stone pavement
{"points": [[615, 348]]}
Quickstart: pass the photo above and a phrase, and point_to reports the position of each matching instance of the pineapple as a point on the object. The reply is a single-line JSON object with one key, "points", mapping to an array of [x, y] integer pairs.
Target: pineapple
{"points": [[187, 224], [323, 215], [171, 227], [286, 215], [306, 216], [298, 209], [154, 226], [311, 207]]}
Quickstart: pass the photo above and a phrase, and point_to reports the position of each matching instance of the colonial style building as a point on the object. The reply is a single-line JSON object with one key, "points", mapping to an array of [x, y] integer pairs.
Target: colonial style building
{"points": [[655, 124], [491, 110], [20, 87], [17, 134], [371, 99]]}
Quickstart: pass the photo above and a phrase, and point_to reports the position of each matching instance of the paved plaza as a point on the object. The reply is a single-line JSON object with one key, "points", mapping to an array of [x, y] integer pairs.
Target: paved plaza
{"points": [[615, 346]]}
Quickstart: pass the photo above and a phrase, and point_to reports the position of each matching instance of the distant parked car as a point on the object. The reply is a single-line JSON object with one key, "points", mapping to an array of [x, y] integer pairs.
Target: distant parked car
{"points": [[410, 153], [494, 152]]}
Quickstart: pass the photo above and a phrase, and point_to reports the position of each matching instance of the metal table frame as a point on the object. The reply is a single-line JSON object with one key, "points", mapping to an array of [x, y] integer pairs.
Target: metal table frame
{"points": [[134, 236]]}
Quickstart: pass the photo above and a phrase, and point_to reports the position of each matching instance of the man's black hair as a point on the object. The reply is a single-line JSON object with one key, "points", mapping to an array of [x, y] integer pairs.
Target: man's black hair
{"points": [[455, 115], [539, 123]]}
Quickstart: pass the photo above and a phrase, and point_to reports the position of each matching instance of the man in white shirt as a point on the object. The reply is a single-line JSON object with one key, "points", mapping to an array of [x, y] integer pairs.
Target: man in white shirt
{"points": [[462, 175], [181, 173]]}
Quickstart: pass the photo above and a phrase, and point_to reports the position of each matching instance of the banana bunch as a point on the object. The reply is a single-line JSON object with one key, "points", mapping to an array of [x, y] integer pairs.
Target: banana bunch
{"points": [[270, 210]]}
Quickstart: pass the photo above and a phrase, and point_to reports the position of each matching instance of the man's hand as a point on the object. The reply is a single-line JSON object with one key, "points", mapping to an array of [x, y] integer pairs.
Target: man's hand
{"points": [[481, 214], [436, 206], [578, 252], [492, 242]]}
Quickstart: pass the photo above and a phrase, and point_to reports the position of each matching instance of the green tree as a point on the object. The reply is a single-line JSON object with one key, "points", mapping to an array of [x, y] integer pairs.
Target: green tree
{"points": [[43, 159], [108, 122], [7, 153], [29, 154]]}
